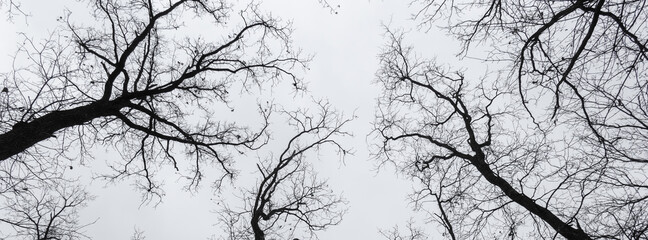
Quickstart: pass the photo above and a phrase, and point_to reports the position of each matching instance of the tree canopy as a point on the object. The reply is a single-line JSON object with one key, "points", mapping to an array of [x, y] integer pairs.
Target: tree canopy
{"points": [[541, 135], [551, 143]]}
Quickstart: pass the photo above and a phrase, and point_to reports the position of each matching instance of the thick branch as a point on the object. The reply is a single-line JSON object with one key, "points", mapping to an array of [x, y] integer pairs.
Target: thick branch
{"points": [[549, 217], [24, 135]]}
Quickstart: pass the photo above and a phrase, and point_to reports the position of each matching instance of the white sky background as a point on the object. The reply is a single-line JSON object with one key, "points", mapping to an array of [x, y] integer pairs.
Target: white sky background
{"points": [[345, 48]]}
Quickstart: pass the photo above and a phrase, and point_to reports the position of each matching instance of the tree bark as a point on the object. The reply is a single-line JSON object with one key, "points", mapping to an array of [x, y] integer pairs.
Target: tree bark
{"points": [[24, 135]]}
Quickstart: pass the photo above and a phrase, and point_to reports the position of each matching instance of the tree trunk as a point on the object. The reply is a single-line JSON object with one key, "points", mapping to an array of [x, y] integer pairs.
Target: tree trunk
{"points": [[258, 233]]}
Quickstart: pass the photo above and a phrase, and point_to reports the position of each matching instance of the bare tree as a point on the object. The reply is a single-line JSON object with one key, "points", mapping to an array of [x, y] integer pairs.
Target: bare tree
{"points": [[132, 79], [412, 233], [571, 61], [488, 158], [44, 213], [289, 201], [138, 234]]}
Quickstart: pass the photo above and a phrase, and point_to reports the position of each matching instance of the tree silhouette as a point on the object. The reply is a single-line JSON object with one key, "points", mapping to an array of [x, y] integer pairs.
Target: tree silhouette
{"points": [[44, 213], [412, 233], [289, 200], [553, 143], [132, 79]]}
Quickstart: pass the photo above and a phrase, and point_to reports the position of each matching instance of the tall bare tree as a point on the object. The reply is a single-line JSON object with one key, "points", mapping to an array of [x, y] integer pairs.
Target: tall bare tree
{"points": [[289, 201], [44, 213], [132, 78], [551, 144]]}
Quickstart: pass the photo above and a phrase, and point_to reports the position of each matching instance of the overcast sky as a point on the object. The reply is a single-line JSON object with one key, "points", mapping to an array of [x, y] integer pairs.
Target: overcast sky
{"points": [[345, 48]]}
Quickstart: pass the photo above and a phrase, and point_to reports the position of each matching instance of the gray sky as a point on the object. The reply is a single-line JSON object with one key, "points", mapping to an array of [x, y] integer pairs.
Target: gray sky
{"points": [[345, 48]]}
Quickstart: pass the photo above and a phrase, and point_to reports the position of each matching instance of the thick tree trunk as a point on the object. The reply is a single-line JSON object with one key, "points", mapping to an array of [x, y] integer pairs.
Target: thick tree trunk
{"points": [[23, 135], [258, 233], [549, 217]]}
